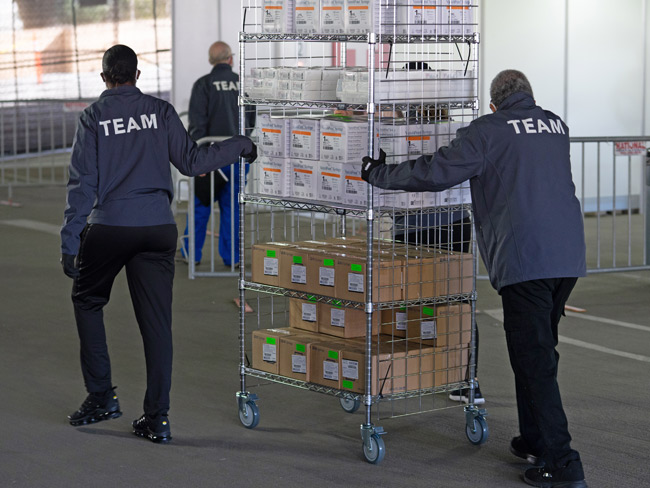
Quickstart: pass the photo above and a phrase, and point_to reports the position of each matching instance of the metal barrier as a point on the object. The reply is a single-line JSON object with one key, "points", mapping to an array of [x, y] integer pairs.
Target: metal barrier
{"points": [[188, 242], [612, 183]]}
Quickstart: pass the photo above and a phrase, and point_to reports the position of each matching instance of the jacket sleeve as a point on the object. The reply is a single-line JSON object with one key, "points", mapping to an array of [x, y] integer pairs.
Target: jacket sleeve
{"points": [[82, 184], [450, 165], [192, 160], [198, 116]]}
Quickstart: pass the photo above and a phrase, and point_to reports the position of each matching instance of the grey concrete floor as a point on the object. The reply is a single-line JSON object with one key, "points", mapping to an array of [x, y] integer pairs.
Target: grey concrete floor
{"points": [[304, 438]]}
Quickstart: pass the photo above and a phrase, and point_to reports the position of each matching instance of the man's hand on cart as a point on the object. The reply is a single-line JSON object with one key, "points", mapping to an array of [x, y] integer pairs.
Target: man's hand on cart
{"points": [[370, 164], [69, 267]]}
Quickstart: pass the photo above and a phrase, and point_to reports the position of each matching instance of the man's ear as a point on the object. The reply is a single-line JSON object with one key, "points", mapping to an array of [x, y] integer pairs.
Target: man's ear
{"points": [[137, 74], [493, 107], [103, 77]]}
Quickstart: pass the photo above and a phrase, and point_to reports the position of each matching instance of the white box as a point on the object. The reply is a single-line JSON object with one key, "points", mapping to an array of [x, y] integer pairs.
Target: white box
{"points": [[332, 16], [307, 16], [355, 189], [358, 16], [274, 177], [306, 74], [403, 199], [461, 18], [457, 195], [309, 85], [304, 174], [273, 136], [330, 182], [423, 18], [305, 95], [305, 139], [344, 141], [277, 16]]}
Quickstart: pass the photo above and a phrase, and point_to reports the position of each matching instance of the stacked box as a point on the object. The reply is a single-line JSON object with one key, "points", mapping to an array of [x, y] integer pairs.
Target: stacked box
{"points": [[274, 176], [325, 363], [332, 16], [458, 18], [307, 16], [304, 179], [331, 182], [334, 319], [303, 314], [423, 18], [344, 140], [305, 139], [265, 260], [294, 354], [439, 326], [293, 269], [274, 136], [355, 191], [266, 349], [278, 16]]}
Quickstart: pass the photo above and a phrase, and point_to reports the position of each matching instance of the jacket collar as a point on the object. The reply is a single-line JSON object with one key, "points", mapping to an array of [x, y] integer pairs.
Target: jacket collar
{"points": [[121, 90], [517, 100], [221, 66]]}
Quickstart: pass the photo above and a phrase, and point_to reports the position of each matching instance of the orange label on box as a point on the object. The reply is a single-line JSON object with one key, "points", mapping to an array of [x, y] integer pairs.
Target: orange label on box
{"points": [[306, 171], [273, 170], [301, 132], [274, 131], [354, 178], [332, 134], [333, 175]]}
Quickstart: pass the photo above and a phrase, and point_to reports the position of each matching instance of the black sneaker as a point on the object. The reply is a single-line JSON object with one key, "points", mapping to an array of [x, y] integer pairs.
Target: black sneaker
{"points": [[463, 396], [97, 407], [156, 430], [569, 476], [520, 448]]}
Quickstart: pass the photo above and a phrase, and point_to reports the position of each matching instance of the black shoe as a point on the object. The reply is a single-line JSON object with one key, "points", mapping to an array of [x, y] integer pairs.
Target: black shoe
{"points": [[569, 476], [463, 396], [156, 430], [520, 448], [97, 407]]}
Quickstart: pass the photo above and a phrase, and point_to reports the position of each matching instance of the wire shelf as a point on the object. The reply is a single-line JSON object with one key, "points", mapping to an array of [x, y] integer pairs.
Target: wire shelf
{"points": [[405, 105], [380, 38]]}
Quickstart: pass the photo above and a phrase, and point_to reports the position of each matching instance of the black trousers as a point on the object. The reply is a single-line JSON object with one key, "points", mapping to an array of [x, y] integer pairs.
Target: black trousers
{"points": [[455, 236], [531, 312], [147, 253]]}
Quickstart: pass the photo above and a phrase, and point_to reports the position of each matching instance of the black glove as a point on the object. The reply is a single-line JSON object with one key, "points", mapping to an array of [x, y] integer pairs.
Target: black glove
{"points": [[250, 155], [69, 267], [370, 164]]}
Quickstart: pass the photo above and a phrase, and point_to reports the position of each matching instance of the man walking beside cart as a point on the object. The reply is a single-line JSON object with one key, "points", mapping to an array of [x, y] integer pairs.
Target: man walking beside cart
{"points": [[531, 238]]}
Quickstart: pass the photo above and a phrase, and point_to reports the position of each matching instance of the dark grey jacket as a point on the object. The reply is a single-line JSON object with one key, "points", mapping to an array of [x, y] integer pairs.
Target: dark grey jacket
{"points": [[528, 219], [119, 169]]}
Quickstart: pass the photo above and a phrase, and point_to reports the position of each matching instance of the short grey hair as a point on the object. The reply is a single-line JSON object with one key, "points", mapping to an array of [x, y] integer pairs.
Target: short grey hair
{"points": [[506, 83], [219, 52]]}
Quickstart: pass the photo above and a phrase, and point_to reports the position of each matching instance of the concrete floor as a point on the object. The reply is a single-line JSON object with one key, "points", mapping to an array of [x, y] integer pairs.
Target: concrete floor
{"points": [[303, 438]]}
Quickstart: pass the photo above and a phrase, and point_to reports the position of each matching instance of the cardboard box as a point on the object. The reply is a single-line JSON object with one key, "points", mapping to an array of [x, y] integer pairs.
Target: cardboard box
{"points": [[295, 355], [333, 319], [325, 363], [307, 16], [353, 366], [303, 314], [293, 269], [305, 139], [350, 270], [278, 16], [321, 271], [273, 136], [458, 364], [456, 271], [332, 16], [432, 325], [265, 260], [355, 189], [344, 139], [266, 353]]}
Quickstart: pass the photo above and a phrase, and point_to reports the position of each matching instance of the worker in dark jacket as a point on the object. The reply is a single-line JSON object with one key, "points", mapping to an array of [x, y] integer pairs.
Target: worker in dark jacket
{"points": [[118, 215], [214, 112], [531, 238]]}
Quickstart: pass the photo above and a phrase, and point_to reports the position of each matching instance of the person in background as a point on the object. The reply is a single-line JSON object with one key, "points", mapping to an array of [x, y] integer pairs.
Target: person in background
{"points": [[214, 111], [117, 216], [531, 238]]}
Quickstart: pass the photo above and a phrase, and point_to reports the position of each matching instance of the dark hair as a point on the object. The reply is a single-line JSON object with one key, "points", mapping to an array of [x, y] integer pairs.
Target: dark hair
{"points": [[120, 64], [508, 82]]}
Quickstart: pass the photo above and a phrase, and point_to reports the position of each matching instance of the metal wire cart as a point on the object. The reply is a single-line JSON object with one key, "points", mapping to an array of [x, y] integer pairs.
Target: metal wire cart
{"points": [[359, 293]]}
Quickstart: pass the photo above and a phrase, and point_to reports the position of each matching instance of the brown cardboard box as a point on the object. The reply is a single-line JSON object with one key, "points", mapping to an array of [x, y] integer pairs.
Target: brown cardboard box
{"points": [[351, 277], [455, 271], [325, 363], [303, 314], [333, 319], [321, 272], [293, 269], [458, 363], [266, 351], [295, 354], [353, 367], [433, 325], [265, 260]]}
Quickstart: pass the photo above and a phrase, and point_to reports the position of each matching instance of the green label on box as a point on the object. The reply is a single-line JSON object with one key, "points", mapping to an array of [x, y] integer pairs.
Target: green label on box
{"points": [[300, 347], [337, 303], [402, 309], [297, 259], [270, 253], [347, 384], [328, 262], [357, 268], [270, 340], [311, 298], [333, 355], [428, 311]]}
